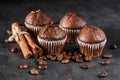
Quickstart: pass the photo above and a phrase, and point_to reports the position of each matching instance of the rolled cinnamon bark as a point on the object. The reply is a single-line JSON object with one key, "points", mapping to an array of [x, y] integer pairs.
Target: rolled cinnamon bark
{"points": [[22, 43], [37, 51]]}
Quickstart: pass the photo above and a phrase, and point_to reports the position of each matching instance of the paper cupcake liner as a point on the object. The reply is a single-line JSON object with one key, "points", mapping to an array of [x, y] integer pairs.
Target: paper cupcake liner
{"points": [[72, 34], [34, 29], [93, 50], [52, 46]]}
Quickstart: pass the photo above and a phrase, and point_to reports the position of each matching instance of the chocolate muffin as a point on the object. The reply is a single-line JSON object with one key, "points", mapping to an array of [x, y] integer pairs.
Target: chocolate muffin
{"points": [[91, 40], [37, 19], [52, 38], [71, 24]]}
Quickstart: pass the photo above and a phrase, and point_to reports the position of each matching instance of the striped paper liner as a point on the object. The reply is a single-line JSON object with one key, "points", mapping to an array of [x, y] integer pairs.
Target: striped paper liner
{"points": [[52, 46], [93, 50]]}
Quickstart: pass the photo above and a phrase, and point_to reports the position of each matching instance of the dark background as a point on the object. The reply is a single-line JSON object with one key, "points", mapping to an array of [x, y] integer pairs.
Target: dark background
{"points": [[102, 13]]}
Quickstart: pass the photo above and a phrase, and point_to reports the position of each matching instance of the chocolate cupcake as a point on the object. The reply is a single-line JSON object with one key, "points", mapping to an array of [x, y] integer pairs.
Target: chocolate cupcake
{"points": [[52, 38], [35, 20], [91, 40], [71, 24]]}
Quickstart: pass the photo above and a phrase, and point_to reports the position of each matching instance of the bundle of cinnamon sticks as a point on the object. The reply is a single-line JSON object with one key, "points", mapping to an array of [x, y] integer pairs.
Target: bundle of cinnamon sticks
{"points": [[27, 44]]}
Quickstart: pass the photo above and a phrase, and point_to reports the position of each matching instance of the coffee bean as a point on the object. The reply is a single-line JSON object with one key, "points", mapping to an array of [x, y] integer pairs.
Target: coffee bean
{"points": [[67, 79], [79, 59], [75, 56], [9, 32], [103, 74], [113, 46], [42, 62], [53, 58], [107, 55], [105, 62], [34, 71], [66, 56], [85, 66], [23, 66], [70, 54], [14, 49], [42, 66], [59, 57], [41, 58], [64, 61], [49, 56], [88, 58]]}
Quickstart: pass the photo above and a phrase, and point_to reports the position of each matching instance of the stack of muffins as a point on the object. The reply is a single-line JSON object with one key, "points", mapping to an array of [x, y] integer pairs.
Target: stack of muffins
{"points": [[72, 29]]}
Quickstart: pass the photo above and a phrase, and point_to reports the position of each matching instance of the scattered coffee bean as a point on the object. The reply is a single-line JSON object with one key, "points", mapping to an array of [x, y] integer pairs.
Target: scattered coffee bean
{"points": [[66, 56], [75, 56], [105, 62], [79, 59], [64, 61], [70, 54], [49, 56], [42, 62], [103, 74], [42, 66], [53, 58], [23, 66], [14, 49], [67, 79], [59, 57], [34, 71], [107, 55], [85, 66], [9, 32], [113, 46], [88, 58]]}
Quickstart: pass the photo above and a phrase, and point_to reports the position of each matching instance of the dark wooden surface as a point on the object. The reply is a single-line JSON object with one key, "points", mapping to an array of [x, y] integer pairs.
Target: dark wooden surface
{"points": [[103, 13]]}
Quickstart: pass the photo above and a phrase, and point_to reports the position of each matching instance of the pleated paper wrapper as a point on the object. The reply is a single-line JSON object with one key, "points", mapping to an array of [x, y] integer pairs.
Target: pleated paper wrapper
{"points": [[52, 46], [33, 29], [72, 35], [93, 50]]}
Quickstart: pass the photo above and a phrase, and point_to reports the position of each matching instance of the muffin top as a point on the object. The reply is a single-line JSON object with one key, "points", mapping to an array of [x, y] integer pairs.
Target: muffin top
{"points": [[72, 21], [51, 32], [91, 35], [37, 18]]}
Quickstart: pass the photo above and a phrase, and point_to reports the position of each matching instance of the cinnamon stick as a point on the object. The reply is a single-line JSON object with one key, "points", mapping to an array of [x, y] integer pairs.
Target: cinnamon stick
{"points": [[23, 43], [37, 51]]}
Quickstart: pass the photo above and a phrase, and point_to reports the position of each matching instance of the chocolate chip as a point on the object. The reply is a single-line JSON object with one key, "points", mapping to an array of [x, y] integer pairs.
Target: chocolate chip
{"points": [[107, 55], [103, 74], [67, 79], [42, 66], [105, 62], [9, 32], [64, 61], [34, 71], [85, 66], [14, 49], [88, 58], [113, 46], [23, 66]]}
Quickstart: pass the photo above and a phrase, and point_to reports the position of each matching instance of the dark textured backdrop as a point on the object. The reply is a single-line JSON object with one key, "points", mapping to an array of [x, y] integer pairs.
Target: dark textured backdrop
{"points": [[103, 13]]}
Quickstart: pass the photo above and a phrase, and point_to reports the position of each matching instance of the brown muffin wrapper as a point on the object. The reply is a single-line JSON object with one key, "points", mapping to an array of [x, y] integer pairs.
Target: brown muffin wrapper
{"points": [[72, 34], [34, 29], [93, 50], [52, 46]]}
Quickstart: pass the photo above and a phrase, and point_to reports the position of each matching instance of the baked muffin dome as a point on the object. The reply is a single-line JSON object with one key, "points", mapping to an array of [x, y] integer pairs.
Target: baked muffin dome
{"points": [[51, 32], [38, 18], [91, 35], [72, 21]]}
